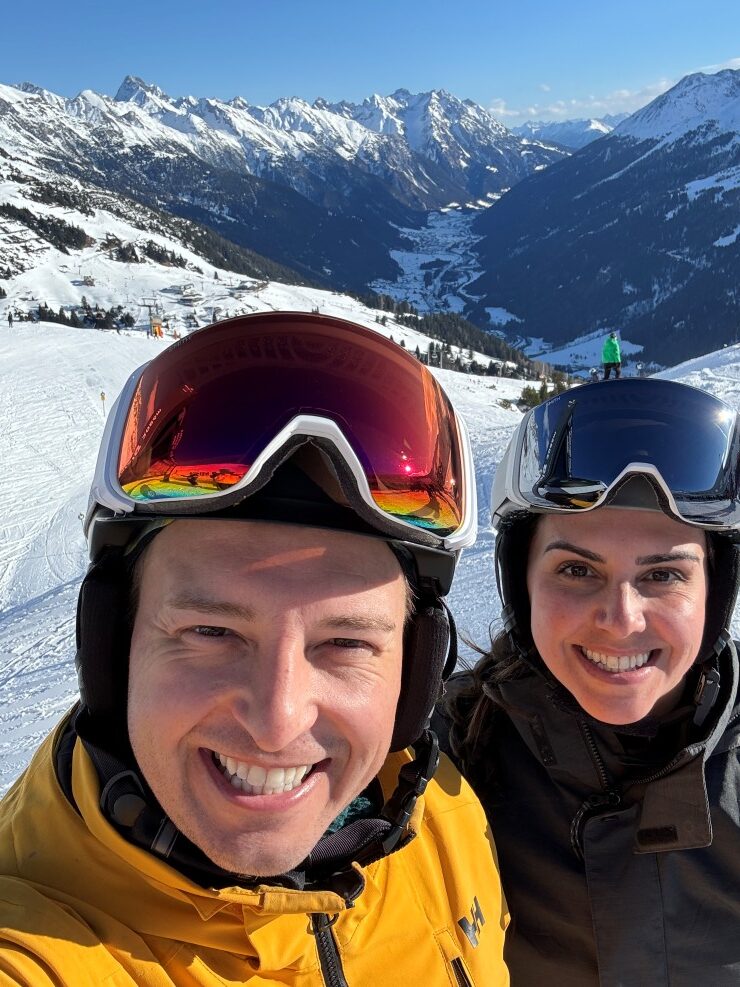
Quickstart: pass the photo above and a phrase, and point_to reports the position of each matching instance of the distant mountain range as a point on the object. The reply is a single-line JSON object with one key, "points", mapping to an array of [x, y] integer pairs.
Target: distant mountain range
{"points": [[638, 231], [572, 134], [319, 188]]}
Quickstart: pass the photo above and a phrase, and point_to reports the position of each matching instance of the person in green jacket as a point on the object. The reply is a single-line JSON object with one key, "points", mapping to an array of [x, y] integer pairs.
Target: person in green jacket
{"points": [[611, 356]]}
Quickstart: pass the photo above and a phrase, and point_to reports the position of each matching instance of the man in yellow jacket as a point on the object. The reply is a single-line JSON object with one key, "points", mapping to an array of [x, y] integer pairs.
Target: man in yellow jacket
{"points": [[244, 794]]}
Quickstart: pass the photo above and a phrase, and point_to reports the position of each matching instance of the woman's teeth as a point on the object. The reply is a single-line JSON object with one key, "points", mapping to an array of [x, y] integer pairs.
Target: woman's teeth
{"points": [[253, 779], [616, 663]]}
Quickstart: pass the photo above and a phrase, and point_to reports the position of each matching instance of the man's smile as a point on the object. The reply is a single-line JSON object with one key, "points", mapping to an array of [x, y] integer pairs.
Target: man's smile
{"points": [[254, 779]]}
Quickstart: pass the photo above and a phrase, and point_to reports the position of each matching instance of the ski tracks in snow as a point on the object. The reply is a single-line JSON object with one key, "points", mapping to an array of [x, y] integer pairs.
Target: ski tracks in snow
{"points": [[51, 419]]}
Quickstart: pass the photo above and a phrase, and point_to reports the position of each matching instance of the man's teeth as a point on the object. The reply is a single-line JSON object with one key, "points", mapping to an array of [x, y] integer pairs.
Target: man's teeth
{"points": [[616, 663], [256, 780]]}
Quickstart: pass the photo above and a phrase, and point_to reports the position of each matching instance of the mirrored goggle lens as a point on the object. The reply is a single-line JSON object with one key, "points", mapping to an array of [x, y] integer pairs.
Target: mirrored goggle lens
{"points": [[576, 445], [203, 411]]}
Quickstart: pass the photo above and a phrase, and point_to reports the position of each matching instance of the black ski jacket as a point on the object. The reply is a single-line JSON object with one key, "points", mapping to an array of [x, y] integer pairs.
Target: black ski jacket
{"points": [[619, 854]]}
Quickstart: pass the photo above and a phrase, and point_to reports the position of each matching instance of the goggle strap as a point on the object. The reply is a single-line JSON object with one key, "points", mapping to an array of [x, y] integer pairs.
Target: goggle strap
{"points": [[451, 661]]}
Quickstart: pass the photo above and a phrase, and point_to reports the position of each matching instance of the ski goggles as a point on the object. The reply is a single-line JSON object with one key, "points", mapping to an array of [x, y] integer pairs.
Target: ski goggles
{"points": [[195, 428], [575, 450]]}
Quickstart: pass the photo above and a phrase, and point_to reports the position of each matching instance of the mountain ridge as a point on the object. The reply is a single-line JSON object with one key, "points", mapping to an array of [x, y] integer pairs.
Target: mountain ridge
{"points": [[637, 231]]}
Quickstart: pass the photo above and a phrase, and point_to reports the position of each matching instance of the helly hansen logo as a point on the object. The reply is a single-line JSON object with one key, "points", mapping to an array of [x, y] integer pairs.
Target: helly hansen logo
{"points": [[472, 926]]}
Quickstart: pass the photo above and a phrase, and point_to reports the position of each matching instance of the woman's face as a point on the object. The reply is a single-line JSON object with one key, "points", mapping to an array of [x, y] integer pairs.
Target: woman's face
{"points": [[618, 601]]}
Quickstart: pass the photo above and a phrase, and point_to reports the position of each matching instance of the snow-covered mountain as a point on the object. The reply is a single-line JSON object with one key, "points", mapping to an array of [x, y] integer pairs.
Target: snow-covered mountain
{"points": [[572, 134], [321, 189], [639, 231], [469, 152]]}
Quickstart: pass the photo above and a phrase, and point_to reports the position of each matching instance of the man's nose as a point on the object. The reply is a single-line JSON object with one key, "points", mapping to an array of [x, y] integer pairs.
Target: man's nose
{"points": [[620, 610], [279, 703]]}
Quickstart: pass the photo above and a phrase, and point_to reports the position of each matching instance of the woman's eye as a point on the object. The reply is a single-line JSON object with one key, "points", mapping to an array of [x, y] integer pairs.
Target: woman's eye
{"points": [[576, 570]]}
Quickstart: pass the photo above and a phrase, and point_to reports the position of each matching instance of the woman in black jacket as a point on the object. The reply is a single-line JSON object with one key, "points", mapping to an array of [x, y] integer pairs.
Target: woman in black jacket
{"points": [[602, 730]]}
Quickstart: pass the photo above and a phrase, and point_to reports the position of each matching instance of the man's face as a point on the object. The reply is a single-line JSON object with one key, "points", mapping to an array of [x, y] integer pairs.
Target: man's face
{"points": [[264, 676]]}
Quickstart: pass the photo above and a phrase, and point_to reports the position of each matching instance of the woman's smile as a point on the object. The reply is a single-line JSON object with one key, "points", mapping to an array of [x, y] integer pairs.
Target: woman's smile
{"points": [[619, 662]]}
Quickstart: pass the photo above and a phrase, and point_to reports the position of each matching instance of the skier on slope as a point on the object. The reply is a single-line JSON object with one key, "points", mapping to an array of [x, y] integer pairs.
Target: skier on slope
{"points": [[222, 805], [611, 356]]}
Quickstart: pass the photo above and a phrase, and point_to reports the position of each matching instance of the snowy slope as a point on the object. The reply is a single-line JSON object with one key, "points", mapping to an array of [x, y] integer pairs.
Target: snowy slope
{"points": [[697, 102], [718, 373], [182, 297]]}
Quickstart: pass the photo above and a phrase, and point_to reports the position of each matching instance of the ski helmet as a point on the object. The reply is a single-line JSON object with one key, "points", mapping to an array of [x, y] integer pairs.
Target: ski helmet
{"points": [[640, 443], [288, 417]]}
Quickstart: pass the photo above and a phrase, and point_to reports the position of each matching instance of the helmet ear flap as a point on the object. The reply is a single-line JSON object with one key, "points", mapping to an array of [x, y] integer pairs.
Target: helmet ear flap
{"points": [[724, 582], [429, 656], [511, 558], [103, 641]]}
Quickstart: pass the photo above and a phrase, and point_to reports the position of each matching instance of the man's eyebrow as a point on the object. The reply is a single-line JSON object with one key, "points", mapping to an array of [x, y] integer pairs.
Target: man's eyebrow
{"points": [[214, 608], [667, 557], [566, 546], [359, 624]]}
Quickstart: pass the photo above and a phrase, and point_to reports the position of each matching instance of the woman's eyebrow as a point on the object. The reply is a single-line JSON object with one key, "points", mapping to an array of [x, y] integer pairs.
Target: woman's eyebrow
{"points": [[667, 557], [566, 546]]}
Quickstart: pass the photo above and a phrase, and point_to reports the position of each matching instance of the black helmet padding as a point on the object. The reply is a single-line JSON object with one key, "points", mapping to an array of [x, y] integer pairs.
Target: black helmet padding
{"points": [[429, 657], [103, 644]]}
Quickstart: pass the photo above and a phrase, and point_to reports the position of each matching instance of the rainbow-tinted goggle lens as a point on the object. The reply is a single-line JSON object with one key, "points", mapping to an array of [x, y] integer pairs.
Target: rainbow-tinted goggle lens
{"points": [[209, 410]]}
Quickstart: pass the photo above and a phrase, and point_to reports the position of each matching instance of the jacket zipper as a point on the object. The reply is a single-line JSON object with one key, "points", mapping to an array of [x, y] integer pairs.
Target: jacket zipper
{"points": [[329, 958], [610, 796], [595, 756], [461, 977]]}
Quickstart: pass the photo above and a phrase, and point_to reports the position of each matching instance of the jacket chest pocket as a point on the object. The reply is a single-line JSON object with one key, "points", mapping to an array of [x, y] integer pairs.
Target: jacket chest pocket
{"points": [[462, 978]]}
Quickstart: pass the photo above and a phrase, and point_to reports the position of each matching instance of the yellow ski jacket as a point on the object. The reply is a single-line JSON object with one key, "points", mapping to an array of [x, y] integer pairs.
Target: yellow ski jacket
{"points": [[82, 907]]}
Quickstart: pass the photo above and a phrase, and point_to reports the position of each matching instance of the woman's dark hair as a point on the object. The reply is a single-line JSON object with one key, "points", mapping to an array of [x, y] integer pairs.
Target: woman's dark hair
{"points": [[471, 703]]}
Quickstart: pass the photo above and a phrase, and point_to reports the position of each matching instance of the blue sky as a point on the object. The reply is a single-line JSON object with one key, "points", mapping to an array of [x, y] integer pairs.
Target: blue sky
{"points": [[552, 59]]}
